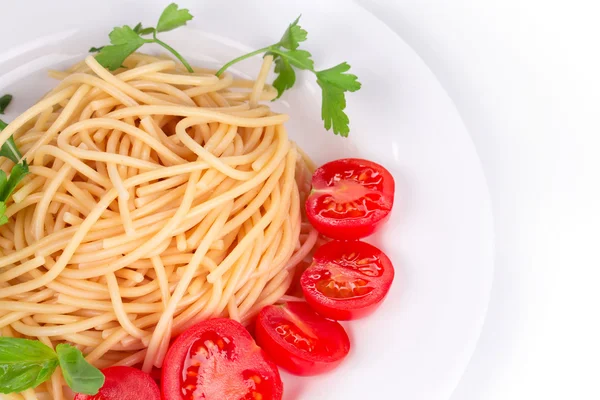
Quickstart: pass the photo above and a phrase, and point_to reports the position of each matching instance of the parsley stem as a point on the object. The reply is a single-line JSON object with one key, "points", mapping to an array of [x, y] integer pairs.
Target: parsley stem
{"points": [[173, 51], [241, 58]]}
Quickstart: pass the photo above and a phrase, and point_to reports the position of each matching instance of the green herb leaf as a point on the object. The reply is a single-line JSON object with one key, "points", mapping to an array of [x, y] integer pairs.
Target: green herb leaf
{"points": [[146, 31], [286, 76], [334, 83], [3, 218], [3, 183], [137, 28], [125, 40], [95, 49], [10, 150], [80, 375], [173, 17], [112, 57], [124, 35], [337, 76], [298, 58], [4, 102], [293, 35], [141, 30], [17, 173], [24, 363], [3, 180]]}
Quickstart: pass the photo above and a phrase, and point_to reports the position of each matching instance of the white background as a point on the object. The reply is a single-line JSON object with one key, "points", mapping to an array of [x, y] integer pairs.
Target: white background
{"points": [[525, 76]]}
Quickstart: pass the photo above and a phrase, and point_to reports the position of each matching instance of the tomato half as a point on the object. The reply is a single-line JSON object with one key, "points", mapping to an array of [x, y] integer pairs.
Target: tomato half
{"points": [[350, 198], [125, 383], [347, 280], [218, 360], [300, 340]]}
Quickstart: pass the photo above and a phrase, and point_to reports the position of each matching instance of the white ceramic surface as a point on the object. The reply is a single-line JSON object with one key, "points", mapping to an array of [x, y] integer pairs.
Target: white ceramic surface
{"points": [[417, 345]]}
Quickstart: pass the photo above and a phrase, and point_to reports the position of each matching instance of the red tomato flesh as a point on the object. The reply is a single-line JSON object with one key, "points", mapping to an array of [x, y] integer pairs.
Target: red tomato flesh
{"points": [[350, 198], [300, 340], [218, 360], [125, 383], [347, 280]]}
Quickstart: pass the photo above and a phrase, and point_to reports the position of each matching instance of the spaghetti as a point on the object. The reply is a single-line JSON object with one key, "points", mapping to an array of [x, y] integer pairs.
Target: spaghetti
{"points": [[157, 198]]}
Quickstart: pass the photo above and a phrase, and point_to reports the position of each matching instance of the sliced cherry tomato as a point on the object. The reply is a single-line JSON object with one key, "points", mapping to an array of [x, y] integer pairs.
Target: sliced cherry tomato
{"points": [[347, 280], [350, 198], [125, 383], [156, 374], [218, 360], [300, 340]]}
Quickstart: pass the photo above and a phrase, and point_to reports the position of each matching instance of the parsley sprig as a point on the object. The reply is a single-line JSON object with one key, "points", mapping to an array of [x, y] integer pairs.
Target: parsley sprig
{"points": [[9, 150], [334, 82], [126, 40], [25, 364]]}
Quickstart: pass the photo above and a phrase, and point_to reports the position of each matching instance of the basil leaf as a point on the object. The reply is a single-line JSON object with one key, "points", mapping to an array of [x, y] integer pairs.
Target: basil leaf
{"points": [[24, 364], [80, 375]]}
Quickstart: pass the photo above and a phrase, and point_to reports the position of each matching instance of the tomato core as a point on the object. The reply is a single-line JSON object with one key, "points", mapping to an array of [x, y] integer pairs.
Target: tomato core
{"points": [[211, 359]]}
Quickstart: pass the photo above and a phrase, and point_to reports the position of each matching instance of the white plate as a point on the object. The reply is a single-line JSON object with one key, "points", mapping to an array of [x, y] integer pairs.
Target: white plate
{"points": [[417, 345]]}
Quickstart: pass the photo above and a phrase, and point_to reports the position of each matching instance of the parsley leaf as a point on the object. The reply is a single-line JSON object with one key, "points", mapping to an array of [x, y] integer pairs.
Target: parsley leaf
{"points": [[137, 28], [146, 31], [80, 375], [173, 17], [338, 77], [95, 49], [4, 102], [3, 217], [126, 40], [334, 82], [298, 58], [9, 149], [286, 76], [293, 35], [125, 35], [24, 364], [17, 173]]}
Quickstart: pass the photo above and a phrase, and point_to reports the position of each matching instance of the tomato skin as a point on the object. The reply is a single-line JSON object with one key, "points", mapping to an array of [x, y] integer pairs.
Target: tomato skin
{"points": [[364, 273], [240, 355], [350, 198], [328, 341], [125, 383]]}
